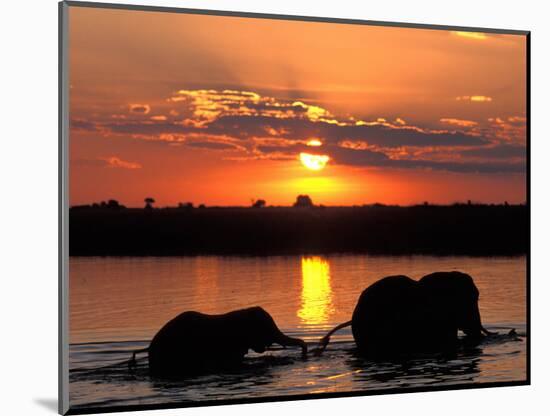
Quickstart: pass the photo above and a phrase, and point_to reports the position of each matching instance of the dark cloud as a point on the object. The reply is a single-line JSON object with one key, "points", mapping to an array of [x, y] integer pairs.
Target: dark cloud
{"points": [[358, 157], [147, 128], [294, 148], [372, 158], [384, 136], [212, 145], [376, 134], [368, 158], [504, 151], [80, 124]]}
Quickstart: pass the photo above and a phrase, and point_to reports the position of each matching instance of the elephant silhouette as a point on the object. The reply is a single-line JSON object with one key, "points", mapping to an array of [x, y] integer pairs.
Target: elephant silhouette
{"points": [[399, 315], [194, 343]]}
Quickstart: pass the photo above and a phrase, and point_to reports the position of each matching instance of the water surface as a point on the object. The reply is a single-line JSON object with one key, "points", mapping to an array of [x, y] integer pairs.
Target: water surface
{"points": [[118, 304]]}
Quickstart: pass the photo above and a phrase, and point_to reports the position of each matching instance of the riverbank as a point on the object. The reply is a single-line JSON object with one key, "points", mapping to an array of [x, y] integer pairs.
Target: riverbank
{"points": [[485, 230]]}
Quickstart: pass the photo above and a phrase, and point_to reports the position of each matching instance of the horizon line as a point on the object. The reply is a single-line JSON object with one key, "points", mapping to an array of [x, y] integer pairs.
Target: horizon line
{"points": [[105, 204]]}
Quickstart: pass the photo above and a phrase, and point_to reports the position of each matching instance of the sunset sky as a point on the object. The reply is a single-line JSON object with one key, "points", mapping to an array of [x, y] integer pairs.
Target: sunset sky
{"points": [[224, 110]]}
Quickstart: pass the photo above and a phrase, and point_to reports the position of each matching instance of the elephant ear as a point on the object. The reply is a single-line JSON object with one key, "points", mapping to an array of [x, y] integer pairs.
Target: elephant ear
{"points": [[454, 297], [258, 328]]}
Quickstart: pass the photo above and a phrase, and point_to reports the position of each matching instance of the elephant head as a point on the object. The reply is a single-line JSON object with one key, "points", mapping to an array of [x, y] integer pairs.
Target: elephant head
{"points": [[454, 296], [260, 331]]}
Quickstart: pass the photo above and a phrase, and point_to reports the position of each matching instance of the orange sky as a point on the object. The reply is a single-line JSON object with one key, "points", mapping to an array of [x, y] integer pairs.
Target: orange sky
{"points": [[217, 110]]}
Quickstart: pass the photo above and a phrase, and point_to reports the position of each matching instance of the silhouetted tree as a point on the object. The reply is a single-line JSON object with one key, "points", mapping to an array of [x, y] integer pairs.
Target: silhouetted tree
{"points": [[149, 203], [202, 206], [113, 204], [185, 205], [303, 201], [259, 203]]}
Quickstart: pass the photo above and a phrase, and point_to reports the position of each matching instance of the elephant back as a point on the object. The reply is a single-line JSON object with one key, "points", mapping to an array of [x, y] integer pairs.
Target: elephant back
{"points": [[193, 341], [384, 318]]}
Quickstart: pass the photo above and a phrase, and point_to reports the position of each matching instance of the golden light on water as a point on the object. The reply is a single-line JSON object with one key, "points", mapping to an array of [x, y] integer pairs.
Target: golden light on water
{"points": [[313, 162], [316, 296]]}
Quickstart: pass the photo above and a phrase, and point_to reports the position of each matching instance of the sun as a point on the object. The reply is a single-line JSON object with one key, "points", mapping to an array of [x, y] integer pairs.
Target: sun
{"points": [[314, 162]]}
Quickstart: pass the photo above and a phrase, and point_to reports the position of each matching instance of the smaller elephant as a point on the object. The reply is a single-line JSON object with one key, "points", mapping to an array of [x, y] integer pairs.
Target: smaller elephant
{"points": [[194, 342], [398, 315]]}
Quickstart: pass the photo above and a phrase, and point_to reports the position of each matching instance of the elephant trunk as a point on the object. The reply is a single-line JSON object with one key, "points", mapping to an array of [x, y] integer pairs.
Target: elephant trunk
{"points": [[473, 328], [487, 332], [287, 341], [473, 332]]}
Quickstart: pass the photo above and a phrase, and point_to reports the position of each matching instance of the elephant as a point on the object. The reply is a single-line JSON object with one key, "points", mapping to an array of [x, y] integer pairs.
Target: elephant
{"points": [[194, 343], [398, 315]]}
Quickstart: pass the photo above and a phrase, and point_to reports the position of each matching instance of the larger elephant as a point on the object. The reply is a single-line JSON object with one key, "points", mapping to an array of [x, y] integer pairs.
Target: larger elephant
{"points": [[397, 315], [195, 342]]}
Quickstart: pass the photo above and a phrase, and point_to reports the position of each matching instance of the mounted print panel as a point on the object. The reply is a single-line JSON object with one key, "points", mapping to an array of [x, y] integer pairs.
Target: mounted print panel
{"points": [[262, 208]]}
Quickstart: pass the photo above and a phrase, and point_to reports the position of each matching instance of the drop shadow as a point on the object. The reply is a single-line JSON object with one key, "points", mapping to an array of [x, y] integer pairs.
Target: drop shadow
{"points": [[48, 404]]}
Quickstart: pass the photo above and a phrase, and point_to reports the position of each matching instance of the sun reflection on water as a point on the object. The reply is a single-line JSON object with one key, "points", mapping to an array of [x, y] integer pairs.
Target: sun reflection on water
{"points": [[316, 296]]}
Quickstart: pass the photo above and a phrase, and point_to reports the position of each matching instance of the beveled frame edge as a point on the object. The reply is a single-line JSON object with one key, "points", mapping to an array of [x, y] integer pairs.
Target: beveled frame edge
{"points": [[166, 9], [63, 190], [63, 213], [528, 202]]}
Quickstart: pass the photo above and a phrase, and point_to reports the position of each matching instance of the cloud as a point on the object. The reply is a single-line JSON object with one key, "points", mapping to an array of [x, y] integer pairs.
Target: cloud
{"points": [[508, 130], [212, 145], [517, 120], [290, 150], [115, 162], [146, 129], [140, 108], [243, 115], [378, 133], [504, 151], [458, 122], [106, 162], [85, 125], [471, 35], [475, 98], [255, 126], [314, 142], [369, 158]]}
